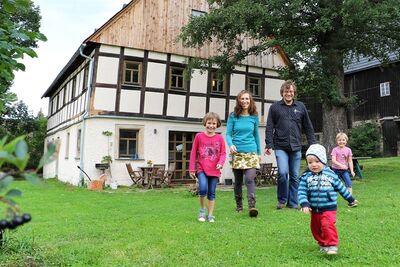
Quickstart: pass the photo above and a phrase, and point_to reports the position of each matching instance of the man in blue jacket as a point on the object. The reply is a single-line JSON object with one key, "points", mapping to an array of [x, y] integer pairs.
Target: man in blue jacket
{"points": [[286, 120]]}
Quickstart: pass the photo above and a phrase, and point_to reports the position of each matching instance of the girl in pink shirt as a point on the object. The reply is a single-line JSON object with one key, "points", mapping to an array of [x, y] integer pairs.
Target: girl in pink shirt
{"points": [[209, 150], [342, 160]]}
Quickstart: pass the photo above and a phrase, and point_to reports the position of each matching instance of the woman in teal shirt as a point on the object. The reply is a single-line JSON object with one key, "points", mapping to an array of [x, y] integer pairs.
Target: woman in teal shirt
{"points": [[244, 146]]}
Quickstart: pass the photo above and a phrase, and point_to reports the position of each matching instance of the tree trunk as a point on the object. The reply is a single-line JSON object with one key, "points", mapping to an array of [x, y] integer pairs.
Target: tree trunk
{"points": [[334, 121]]}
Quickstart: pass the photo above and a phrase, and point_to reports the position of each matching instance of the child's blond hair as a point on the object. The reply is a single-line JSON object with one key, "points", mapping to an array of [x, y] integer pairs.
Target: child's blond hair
{"points": [[339, 135], [212, 116]]}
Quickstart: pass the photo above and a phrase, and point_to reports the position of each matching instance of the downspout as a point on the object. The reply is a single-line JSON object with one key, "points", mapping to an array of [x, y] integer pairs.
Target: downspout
{"points": [[85, 114]]}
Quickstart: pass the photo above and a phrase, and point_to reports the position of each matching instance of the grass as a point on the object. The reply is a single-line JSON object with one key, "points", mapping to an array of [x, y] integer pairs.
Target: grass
{"points": [[128, 227]]}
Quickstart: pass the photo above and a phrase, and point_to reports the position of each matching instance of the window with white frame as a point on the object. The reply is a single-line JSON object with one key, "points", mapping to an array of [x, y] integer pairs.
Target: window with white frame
{"points": [[128, 143], [177, 80], [254, 86], [78, 143], [385, 88], [198, 13], [67, 146], [217, 85], [132, 72]]}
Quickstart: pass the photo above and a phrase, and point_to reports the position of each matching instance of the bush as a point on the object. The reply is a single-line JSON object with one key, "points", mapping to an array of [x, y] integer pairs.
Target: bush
{"points": [[365, 139]]}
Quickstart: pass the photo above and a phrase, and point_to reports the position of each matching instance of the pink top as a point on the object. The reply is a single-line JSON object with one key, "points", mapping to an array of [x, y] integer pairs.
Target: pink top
{"points": [[342, 156], [209, 151]]}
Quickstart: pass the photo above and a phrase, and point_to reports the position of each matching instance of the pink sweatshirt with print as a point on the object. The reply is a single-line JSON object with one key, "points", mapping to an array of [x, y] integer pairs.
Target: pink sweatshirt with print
{"points": [[208, 151], [342, 156]]}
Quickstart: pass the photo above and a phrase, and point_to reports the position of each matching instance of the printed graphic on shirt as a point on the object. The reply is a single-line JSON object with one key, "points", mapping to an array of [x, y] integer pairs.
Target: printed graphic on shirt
{"points": [[209, 151]]}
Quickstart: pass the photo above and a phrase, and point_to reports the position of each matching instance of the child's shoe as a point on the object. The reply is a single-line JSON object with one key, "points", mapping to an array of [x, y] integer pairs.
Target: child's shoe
{"points": [[353, 204], [332, 250], [323, 248], [202, 215], [211, 218]]}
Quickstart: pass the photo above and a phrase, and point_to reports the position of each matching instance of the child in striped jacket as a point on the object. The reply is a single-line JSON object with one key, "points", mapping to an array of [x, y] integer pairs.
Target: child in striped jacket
{"points": [[317, 195]]}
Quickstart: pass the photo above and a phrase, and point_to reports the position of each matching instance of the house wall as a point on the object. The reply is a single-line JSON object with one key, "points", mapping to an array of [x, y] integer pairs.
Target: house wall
{"points": [[153, 146], [155, 26], [148, 106], [365, 85]]}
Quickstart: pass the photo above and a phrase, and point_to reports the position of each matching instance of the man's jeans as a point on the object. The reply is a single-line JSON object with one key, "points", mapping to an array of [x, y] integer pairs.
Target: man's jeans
{"points": [[288, 176]]}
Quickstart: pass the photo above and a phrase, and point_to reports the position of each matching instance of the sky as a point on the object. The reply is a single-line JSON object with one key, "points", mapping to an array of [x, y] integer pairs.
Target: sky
{"points": [[66, 25]]}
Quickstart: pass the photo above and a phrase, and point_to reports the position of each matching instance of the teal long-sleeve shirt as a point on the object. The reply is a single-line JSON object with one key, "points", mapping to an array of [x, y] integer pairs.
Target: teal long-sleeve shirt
{"points": [[242, 132]]}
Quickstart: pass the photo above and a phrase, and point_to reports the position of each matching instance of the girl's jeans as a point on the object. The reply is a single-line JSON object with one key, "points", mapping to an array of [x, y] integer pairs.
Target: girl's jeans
{"points": [[345, 176], [288, 176], [207, 185]]}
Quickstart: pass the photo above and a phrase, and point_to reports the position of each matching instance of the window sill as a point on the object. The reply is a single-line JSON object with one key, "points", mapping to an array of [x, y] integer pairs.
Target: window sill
{"points": [[130, 159]]}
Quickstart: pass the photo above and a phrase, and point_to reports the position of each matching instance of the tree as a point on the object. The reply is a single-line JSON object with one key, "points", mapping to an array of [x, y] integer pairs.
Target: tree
{"points": [[318, 37], [17, 120], [19, 33]]}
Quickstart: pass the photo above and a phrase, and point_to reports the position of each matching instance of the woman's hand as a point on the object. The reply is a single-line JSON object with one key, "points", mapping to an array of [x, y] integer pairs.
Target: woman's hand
{"points": [[219, 167], [232, 149]]}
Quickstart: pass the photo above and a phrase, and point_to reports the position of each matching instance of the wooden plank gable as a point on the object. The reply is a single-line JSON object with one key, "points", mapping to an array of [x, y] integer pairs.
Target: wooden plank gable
{"points": [[154, 25]]}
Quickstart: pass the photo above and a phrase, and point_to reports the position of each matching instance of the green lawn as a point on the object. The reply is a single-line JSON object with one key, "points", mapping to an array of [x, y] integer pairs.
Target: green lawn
{"points": [[129, 227]]}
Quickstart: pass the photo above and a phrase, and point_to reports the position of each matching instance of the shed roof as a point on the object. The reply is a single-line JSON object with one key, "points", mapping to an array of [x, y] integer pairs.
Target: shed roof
{"points": [[365, 63]]}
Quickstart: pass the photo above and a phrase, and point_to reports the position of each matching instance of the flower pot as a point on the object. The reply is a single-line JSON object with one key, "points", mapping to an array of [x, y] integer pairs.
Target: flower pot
{"points": [[97, 185]]}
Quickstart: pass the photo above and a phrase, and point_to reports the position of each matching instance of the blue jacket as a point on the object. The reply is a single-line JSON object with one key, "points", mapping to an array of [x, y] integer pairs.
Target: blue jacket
{"points": [[318, 191]]}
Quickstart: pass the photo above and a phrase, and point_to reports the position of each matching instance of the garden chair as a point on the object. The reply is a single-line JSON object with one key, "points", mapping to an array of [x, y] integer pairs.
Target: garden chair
{"points": [[266, 174], [136, 176], [168, 174], [158, 173]]}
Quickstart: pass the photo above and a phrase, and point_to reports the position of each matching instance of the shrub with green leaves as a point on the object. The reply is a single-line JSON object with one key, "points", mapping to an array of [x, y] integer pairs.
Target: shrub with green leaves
{"points": [[14, 158], [364, 140]]}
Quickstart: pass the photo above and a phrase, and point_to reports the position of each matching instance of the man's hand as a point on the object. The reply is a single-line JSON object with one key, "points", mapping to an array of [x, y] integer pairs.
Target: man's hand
{"points": [[267, 151]]}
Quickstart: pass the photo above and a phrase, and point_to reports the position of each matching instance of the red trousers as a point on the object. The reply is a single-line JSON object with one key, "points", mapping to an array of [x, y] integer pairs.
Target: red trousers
{"points": [[323, 228]]}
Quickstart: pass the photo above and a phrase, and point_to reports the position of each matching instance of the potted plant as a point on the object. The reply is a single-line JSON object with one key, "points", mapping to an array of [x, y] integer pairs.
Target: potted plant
{"points": [[150, 163]]}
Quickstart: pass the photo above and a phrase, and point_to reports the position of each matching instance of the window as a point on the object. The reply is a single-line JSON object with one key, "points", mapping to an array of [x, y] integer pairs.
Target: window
{"points": [[85, 77], [217, 85], [177, 80], [197, 13], [78, 144], [132, 73], [128, 143], [73, 88], [254, 86], [385, 88], [67, 146]]}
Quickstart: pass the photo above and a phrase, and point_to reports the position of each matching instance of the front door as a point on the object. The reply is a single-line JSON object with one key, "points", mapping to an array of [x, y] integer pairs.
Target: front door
{"points": [[179, 147]]}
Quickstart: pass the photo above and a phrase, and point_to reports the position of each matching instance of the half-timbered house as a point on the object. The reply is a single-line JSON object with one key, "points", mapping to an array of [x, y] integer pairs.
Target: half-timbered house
{"points": [[127, 79]]}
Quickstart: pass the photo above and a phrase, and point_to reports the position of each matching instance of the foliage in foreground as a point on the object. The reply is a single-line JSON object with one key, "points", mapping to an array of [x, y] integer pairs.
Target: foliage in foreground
{"points": [[129, 227], [19, 24]]}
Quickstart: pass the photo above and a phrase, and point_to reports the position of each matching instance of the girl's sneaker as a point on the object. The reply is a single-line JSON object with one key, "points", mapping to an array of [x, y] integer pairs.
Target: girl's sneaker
{"points": [[202, 215], [211, 219]]}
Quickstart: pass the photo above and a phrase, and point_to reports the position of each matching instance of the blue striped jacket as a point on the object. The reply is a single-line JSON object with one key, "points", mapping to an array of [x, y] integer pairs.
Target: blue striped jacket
{"points": [[318, 191]]}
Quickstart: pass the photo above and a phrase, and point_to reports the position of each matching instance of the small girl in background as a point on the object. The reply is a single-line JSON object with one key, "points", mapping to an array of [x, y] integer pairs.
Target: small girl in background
{"points": [[209, 150], [342, 160]]}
